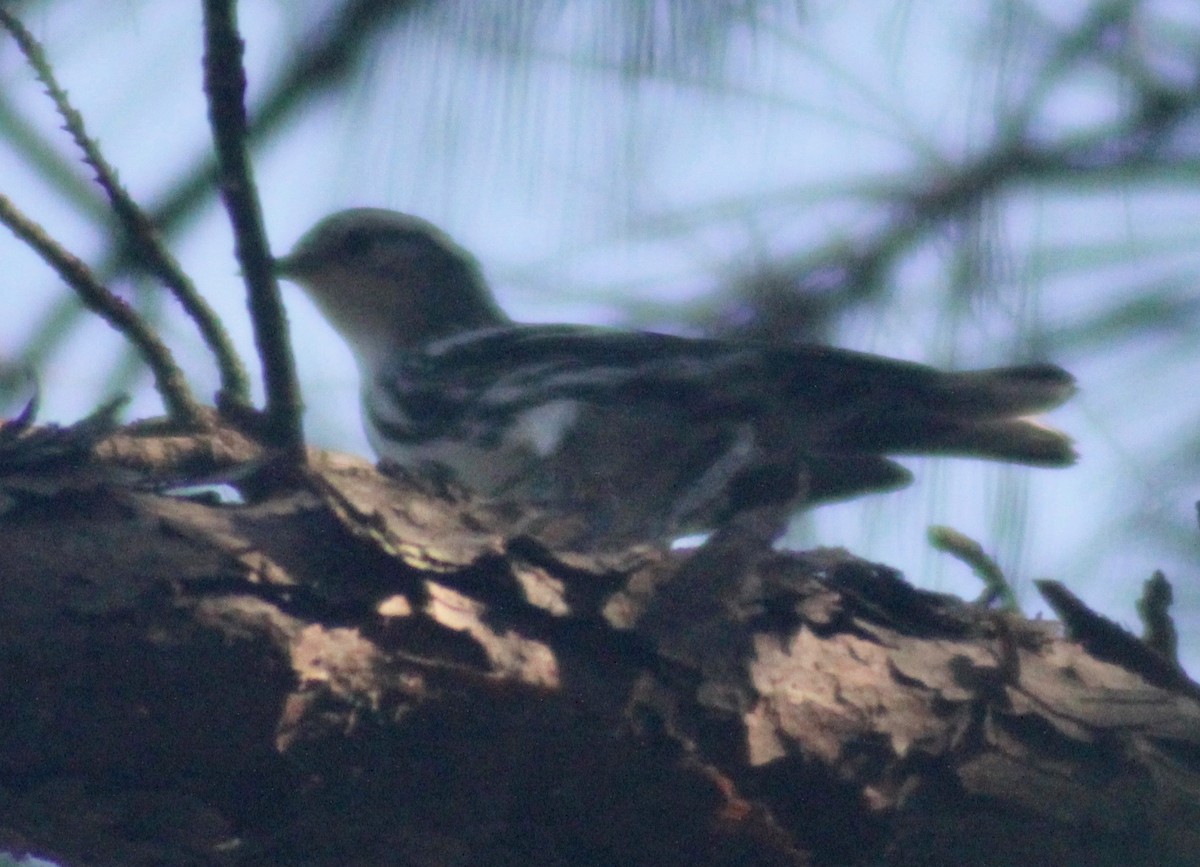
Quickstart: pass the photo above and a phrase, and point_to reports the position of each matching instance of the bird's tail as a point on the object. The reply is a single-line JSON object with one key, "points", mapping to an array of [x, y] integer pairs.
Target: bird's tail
{"points": [[1019, 440], [981, 413], [1004, 391]]}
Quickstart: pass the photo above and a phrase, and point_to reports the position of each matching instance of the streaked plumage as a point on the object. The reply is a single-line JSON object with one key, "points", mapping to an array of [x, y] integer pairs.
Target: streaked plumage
{"points": [[643, 435]]}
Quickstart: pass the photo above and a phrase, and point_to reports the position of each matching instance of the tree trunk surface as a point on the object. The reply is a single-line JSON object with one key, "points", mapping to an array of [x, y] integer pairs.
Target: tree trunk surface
{"points": [[352, 668]]}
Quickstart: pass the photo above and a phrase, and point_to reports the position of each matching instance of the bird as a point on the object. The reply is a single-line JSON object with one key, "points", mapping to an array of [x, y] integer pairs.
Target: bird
{"points": [[640, 436]]}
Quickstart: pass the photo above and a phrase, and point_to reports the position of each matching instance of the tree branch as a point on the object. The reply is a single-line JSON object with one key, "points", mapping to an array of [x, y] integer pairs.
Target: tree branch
{"points": [[225, 87], [141, 232], [379, 670], [333, 53], [169, 379]]}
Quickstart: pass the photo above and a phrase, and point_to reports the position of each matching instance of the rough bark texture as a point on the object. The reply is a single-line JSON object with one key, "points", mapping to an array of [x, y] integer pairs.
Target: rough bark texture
{"points": [[356, 669]]}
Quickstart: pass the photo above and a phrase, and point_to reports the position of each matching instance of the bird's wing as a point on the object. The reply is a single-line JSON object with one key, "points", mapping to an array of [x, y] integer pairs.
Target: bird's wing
{"points": [[494, 376], [635, 430], [803, 399], [644, 431]]}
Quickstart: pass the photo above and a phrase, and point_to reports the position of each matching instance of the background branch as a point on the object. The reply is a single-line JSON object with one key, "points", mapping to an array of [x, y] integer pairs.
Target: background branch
{"points": [[141, 232], [225, 86], [333, 52], [172, 385]]}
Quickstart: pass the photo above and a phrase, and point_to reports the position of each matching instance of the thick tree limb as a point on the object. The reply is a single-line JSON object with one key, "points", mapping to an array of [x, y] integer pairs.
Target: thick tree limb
{"points": [[363, 669]]}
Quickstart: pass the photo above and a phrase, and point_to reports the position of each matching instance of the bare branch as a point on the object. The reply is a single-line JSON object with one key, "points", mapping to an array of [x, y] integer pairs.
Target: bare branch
{"points": [[332, 54], [234, 382], [225, 87], [169, 380]]}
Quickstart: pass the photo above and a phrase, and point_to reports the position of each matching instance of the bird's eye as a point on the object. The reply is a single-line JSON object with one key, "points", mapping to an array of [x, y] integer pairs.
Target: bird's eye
{"points": [[357, 244]]}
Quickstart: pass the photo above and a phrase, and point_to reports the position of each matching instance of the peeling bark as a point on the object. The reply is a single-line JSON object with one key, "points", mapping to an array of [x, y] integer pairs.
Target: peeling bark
{"points": [[355, 668]]}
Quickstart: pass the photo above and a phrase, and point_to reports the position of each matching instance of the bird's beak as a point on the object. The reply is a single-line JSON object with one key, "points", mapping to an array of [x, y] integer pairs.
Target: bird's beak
{"points": [[284, 267], [296, 266]]}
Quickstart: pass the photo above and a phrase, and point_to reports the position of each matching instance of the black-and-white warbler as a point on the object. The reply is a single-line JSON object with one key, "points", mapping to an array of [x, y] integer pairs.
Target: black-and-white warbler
{"points": [[644, 436]]}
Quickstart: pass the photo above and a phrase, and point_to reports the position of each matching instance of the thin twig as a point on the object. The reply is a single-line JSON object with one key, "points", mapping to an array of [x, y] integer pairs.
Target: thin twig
{"points": [[235, 385], [967, 550], [33, 149], [225, 87], [1154, 610], [169, 379]]}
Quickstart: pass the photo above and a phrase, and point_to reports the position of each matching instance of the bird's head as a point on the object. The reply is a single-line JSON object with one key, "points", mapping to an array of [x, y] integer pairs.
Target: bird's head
{"points": [[389, 281]]}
